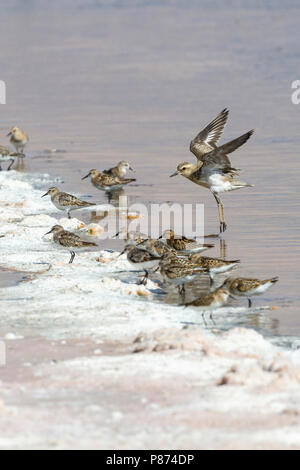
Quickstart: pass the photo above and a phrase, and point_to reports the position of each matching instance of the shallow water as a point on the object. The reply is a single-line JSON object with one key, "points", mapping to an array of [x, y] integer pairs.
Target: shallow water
{"points": [[107, 80], [10, 278]]}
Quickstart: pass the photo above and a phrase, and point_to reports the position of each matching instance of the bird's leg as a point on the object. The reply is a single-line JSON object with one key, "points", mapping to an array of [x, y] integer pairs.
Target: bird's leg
{"points": [[219, 209], [249, 303], [181, 291], [145, 279], [11, 164], [212, 319], [223, 216], [20, 164], [223, 247], [155, 270], [72, 257], [223, 225]]}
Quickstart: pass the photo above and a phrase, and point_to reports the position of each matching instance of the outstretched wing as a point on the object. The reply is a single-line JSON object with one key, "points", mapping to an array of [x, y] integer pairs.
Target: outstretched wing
{"points": [[236, 143], [217, 158], [209, 136]]}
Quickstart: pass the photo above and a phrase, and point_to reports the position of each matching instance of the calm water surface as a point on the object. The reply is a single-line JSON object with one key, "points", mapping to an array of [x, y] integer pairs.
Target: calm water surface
{"points": [[136, 80]]}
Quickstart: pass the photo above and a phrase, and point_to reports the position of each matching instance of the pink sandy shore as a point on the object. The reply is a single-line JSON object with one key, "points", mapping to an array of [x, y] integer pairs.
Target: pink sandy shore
{"points": [[179, 389]]}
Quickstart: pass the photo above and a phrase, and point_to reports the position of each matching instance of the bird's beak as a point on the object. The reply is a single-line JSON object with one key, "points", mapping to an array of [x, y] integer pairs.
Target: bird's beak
{"points": [[130, 168], [116, 235], [47, 233], [85, 177], [121, 254], [9, 134], [174, 174], [46, 194], [159, 238]]}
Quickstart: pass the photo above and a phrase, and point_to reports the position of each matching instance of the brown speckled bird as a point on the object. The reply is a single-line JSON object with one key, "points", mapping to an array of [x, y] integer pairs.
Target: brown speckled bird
{"points": [[119, 170], [215, 299], [179, 270], [214, 266], [69, 241], [243, 287], [66, 202], [157, 247], [183, 244], [107, 182], [141, 259]]}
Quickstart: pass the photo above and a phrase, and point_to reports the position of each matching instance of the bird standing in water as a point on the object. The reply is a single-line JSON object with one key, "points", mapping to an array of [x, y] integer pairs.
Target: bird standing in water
{"points": [[18, 138], [213, 170]]}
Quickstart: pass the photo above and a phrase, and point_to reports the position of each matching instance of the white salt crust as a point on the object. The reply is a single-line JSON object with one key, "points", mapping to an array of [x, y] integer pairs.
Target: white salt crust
{"points": [[160, 384]]}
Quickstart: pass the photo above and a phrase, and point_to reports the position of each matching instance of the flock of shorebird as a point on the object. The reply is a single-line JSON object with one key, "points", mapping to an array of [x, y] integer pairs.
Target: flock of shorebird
{"points": [[178, 259]]}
